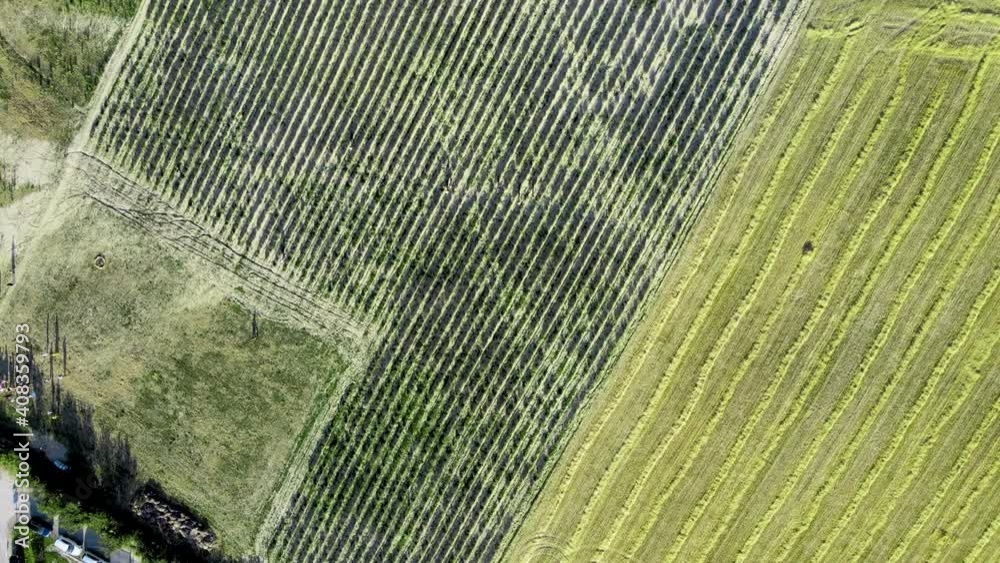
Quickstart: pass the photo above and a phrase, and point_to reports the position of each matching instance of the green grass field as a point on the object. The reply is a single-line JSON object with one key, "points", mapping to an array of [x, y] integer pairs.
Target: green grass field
{"points": [[168, 361], [486, 190], [447, 234], [818, 378], [52, 53]]}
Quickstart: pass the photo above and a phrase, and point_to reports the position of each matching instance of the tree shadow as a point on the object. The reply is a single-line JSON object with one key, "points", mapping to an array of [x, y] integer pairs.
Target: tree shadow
{"points": [[99, 470]]}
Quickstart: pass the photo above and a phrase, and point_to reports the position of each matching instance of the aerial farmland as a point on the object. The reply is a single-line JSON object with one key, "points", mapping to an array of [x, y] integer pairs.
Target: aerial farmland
{"points": [[672, 280]]}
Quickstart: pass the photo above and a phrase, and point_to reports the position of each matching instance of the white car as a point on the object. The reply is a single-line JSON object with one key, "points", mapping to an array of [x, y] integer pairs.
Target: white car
{"points": [[68, 546], [90, 558]]}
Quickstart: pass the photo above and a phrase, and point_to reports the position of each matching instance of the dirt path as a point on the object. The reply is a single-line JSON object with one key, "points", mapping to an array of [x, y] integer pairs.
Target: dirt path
{"points": [[85, 176], [111, 71]]}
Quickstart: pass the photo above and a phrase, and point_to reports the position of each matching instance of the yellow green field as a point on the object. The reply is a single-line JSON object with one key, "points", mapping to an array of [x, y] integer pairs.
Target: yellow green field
{"points": [[818, 377]]}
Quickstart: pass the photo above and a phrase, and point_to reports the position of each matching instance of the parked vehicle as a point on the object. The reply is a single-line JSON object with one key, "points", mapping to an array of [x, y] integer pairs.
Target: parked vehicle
{"points": [[91, 558], [68, 546], [40, 528]]}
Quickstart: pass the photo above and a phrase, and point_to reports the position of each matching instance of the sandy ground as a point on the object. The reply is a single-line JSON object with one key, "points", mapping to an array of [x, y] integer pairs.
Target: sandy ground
{"points": [[6, 514], [18, 222], [34, 160]]}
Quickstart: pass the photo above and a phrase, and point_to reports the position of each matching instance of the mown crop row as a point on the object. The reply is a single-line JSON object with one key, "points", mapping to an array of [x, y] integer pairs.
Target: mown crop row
{"points": [[784, 405], [648, 346], [665, 380], [750, 234], [495, 187], [843, 330], [822, 164], [917, 274], [698, 389], [804, 336]]}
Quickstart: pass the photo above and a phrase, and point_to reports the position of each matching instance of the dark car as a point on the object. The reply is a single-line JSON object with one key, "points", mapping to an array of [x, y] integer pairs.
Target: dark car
{"points": [[40, 528]]}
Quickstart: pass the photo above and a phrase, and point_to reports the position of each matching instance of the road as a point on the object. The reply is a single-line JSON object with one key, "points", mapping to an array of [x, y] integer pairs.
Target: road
{"points": [[6, 514]]}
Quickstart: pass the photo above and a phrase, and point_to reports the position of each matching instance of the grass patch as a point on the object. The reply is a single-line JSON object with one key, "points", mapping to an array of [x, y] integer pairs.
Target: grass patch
{"points": [[168, 361], [11, 189], [119, 8], [52, 54]]}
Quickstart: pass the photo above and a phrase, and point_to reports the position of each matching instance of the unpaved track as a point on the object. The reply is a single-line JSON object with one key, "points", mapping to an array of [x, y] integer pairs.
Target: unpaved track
{"points": [[87, 177], [111, 71], [84, 175]]}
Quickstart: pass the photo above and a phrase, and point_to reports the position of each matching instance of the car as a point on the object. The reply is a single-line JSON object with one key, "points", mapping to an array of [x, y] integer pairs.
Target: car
{"points": [[40, 528], [91, 558], [60, 465], [68, 546]]}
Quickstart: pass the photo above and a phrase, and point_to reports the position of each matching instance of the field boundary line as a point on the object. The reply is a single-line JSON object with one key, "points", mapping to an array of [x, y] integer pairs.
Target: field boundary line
{"points": [[770, 84], [298, 468], [280, 299], [109, 76], [655, 334], [744, 241], [112, 69], [150, 212], [739, 143], [637, 431]]}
